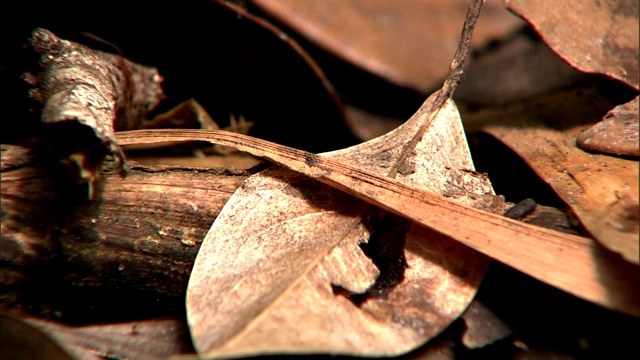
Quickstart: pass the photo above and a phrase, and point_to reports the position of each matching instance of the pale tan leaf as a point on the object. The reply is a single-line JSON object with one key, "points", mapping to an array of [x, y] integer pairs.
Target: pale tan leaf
{"points": [[283, 243]]}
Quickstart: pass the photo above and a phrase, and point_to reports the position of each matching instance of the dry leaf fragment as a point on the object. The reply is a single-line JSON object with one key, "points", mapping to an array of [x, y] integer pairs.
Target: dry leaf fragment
{"points": [[616, 134], [86, 95], [592, 35], [602, 190], [20, 340], [146, 339], [483, 326]]}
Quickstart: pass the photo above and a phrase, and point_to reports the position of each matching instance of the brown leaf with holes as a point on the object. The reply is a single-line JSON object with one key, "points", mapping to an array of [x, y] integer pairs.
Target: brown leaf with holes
{"points": [[592, 35], [287, 248]]}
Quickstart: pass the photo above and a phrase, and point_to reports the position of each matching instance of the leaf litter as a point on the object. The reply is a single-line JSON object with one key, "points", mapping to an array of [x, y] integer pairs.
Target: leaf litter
{"points": [[586, 281], [286, 248], [352, 288]]}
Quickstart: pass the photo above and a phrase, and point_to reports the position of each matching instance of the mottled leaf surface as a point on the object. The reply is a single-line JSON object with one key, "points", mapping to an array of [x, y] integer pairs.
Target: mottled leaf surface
{"points": [[279, 269]]}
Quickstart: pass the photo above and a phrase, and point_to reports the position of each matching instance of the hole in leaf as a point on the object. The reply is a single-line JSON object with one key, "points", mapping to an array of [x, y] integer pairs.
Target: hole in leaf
{"points": [[386, 250]]}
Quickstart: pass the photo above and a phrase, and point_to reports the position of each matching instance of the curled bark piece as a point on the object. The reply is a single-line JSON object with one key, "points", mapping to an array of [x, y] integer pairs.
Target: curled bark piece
{"points": [[79, 88]]}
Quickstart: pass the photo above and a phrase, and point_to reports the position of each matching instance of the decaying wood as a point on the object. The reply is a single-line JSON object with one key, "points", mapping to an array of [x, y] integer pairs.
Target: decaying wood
{"points": [[142, 231], [86, 96], [574, 264]]}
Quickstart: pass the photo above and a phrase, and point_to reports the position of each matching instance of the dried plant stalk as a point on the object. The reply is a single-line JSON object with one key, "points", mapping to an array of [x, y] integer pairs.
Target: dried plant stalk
{"points": [[571, 263]]}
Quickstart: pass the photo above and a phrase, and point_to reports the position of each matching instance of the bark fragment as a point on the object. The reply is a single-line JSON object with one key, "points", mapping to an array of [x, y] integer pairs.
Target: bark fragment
{"points": [[87, 95]]}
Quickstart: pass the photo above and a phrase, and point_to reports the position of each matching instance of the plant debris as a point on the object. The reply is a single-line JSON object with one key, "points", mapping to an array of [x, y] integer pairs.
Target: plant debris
{"points": [[84, 88]]}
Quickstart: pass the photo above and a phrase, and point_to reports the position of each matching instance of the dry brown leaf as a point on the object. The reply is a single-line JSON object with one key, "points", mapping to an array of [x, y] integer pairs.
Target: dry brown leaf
{"points": [[601, 190], [592, 35], [408, 42], [616, 134], [482, 326], [148, 339], [520, 67], [284, 243], [20, 340], [285, 248]]}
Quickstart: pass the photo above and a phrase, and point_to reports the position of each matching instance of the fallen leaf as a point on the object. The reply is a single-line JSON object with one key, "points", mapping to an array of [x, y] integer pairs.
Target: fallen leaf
{"points": [[482, 326], [263, 266], [20, 340], [602, 190], [594, 36], [283, 243], [146, 339], [616, 134], [407, 42]]}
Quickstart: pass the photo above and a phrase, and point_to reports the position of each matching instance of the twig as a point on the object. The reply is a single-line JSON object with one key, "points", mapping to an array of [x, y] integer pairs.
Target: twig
{"points": [[574, 264], [454, 77]]}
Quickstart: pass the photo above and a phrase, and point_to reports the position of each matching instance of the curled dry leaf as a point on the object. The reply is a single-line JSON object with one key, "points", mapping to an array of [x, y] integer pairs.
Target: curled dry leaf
{"points": [[286, 248], [616, 134], [592, 35], [87, 94]]}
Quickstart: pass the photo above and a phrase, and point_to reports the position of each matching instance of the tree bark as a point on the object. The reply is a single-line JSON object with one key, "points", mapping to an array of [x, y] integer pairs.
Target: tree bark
{"points": [[140, 231]]}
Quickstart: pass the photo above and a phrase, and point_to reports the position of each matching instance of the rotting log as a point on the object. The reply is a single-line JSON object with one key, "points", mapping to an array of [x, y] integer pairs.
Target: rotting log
{"points": [[141, 231]]}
